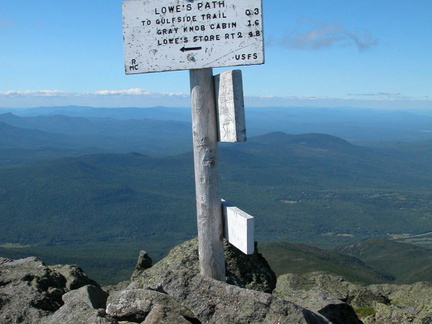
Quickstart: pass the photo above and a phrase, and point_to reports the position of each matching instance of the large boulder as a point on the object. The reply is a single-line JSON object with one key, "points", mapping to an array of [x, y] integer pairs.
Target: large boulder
{"points": [[184, 299], [74, 275], [248, 271], [136, 305], [402, 304], [214, 301], [337, 299], [245, 271], [174, 287], [173, 291], [30, 291], [321, 293], [85, 305]]}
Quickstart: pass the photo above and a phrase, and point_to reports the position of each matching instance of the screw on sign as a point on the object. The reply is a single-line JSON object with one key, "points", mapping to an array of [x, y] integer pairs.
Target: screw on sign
{"points": [[168, 35]]}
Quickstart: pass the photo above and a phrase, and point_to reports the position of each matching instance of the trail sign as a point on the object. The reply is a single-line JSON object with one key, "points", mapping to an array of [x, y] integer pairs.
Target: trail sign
{"points": [[197, 35], [167, 35]]}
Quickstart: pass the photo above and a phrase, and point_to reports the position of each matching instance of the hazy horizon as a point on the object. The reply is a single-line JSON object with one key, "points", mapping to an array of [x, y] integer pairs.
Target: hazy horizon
{"points": [[356, 54]]}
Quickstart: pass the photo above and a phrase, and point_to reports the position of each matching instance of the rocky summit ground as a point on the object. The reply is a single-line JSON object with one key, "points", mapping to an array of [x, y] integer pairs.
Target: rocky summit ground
{"points": [[173, 291]]}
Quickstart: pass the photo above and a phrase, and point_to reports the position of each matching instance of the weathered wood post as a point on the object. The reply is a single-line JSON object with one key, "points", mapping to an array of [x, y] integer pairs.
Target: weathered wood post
{"points": [[208, 198]]}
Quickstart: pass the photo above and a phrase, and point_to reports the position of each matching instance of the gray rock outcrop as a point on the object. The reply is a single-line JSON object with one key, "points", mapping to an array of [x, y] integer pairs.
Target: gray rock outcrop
{"points": [[173, 291], [30, 290], [136, 305], [245, 271], [310, 291], [175, 280], [374, 304]]}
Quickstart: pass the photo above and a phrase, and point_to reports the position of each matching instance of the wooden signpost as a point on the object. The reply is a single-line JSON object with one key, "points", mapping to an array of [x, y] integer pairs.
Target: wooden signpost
{"points": [[208, 199], [195, 35]]}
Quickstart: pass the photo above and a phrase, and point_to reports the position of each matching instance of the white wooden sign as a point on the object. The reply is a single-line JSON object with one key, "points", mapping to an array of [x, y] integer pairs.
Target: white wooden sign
{"points": [[166, 35], [230, 106], [239, 228]]}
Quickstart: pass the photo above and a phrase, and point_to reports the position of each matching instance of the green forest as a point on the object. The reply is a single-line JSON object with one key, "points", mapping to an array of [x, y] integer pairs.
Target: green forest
{"points": [[71, 203]]}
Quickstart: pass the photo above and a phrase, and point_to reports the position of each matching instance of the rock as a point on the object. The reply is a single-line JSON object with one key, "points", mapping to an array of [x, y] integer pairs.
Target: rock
{"points": [[136, 305], [29, 290], [339, 313], [403, 304], [214, 301], [373, 304], [165, 315], [85, 305], [76, 311], [144, 261], [321, 293], [210, 301], [184, 256], [93, 296], [246, 271], [366, 297], [173, 291], [74, 275], [293, 283]]}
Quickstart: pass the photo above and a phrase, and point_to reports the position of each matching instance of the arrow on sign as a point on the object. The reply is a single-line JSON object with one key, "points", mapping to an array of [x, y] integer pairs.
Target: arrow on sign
{"points": [[184, 49]]}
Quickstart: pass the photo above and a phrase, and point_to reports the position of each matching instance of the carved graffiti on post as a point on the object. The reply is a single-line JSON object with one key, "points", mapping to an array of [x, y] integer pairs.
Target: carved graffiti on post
{"points": [[165, 35], [230, 106]]}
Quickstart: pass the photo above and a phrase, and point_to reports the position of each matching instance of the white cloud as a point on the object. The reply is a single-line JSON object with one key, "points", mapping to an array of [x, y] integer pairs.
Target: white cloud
{"points": [[135, 92], [137, 97], [320, 36], [364, 41], [383, 96], [288, 97], [35, 93], [134, 97], [62, 93], [126, 92], [390, 100]]}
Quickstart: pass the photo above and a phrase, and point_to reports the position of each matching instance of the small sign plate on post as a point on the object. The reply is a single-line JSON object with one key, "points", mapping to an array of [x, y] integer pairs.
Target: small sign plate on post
{"points": [[166, 35], [239, 228], [230, 106]]}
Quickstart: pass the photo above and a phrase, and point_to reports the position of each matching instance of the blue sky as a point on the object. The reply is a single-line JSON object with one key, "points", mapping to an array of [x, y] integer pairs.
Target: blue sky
{"points": [[318, 53]]}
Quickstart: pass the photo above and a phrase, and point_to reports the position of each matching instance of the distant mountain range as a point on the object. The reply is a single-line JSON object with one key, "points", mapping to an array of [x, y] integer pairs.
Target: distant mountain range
{"points": [[157, 113], [161, 131], [353, 124], [71, 136]]}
